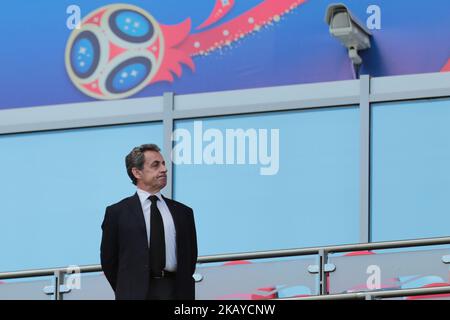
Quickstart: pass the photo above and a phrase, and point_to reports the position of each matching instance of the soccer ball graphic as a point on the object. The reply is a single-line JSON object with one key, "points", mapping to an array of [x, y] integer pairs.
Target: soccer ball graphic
{"points": [[117, 51]]}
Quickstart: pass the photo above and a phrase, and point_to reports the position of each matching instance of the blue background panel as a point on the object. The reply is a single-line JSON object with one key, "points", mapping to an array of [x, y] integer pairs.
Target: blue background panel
{"points": [[410, 170], [56, 186], [312, 200]]}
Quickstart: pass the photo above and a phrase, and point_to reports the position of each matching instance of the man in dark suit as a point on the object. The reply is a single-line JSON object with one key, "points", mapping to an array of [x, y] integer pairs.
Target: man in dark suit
{"points": [[149, 242]]}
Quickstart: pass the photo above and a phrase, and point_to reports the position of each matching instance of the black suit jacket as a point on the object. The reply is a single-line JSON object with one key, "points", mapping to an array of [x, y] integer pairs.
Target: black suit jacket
{"points": [[124, 249]]}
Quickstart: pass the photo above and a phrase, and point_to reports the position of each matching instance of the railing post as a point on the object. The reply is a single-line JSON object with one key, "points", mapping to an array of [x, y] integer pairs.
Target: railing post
{"points": [[323, 283], [59, 281]]}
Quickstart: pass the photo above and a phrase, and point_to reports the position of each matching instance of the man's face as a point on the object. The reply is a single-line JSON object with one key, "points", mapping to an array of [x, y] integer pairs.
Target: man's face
{"points": [[153, 176]]}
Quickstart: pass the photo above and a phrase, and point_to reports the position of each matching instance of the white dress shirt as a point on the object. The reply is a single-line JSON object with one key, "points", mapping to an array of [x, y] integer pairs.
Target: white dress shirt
{"points": [[169, 226]]}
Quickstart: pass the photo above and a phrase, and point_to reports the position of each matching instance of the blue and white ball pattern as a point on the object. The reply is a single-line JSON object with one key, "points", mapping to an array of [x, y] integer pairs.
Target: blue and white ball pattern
{"points": [[113, 55]]}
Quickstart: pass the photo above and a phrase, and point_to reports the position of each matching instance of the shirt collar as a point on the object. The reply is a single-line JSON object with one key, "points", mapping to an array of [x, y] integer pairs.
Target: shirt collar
{"points": [[143, 195]]}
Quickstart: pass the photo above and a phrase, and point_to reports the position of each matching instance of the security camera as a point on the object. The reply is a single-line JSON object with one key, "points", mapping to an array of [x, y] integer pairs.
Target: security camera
{"points": [[344, 26]]}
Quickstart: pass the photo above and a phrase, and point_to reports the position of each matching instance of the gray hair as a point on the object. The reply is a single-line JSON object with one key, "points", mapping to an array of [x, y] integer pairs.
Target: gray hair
{"points": [[136, 158]]}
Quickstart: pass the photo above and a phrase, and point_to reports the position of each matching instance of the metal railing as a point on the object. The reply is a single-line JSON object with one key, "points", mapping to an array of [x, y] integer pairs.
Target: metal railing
{"points": [[372, 295], [322, 253]]}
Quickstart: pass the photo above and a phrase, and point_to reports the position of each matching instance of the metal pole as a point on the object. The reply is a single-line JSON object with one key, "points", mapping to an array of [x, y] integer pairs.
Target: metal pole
{"points": [[379, 294], [365, 143], [167, 149], [323, 260], [59, 281]]}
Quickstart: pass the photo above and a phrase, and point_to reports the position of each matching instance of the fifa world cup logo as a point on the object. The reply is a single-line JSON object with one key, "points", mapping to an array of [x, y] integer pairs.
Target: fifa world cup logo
{"points": [[121, 48]]}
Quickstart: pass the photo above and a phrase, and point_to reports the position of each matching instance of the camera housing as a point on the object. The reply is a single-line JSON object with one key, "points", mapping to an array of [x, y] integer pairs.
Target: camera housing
{"points": [[348, 30]]}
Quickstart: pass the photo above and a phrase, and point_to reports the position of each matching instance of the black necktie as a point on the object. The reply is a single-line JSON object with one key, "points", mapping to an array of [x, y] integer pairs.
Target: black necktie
{"points": [[157, 240]]}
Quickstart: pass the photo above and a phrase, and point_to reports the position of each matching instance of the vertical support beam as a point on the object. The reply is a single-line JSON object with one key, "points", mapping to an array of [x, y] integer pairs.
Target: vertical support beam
{"points": [[167, 147], [323, 260], [365, 144], [59, 281]]}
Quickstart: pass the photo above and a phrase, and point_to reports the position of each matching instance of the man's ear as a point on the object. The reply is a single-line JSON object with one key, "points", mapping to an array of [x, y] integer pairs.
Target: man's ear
{"points": [[136, 173]]}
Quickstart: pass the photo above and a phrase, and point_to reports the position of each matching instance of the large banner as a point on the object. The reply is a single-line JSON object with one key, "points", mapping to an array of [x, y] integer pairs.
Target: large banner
{"points": [[56, 52]]}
